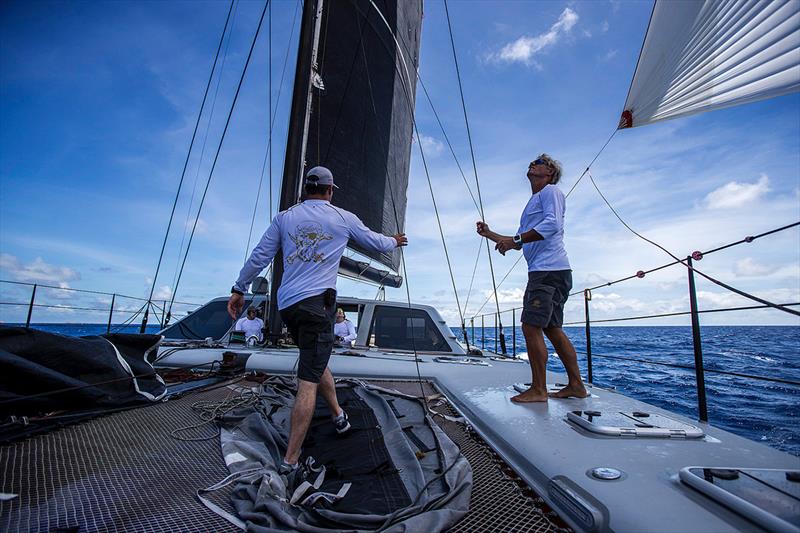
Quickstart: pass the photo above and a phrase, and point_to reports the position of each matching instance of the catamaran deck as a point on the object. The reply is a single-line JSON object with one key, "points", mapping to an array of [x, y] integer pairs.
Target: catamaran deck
{"points": [[556, 456]]}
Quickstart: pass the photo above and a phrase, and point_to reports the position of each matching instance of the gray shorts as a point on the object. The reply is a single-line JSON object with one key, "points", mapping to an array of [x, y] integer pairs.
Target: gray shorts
{"points": [[545, 296]]}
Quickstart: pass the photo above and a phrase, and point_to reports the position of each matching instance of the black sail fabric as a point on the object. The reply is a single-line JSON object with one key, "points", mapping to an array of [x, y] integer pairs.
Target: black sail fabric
{"points": [[361, 123], [100, 371], [395, 470]]}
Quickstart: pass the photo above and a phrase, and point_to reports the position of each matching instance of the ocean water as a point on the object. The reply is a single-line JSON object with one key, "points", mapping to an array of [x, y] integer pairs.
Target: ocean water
{"points": [[762, 411]]}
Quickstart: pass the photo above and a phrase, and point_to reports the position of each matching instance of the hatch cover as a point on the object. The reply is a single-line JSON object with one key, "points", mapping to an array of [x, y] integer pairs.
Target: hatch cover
{"points": [[769, 497], [634, 424]]}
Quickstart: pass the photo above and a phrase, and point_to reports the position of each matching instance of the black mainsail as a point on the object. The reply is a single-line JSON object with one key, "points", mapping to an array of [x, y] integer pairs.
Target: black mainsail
{"points": [[362, 120], [353, 112]]}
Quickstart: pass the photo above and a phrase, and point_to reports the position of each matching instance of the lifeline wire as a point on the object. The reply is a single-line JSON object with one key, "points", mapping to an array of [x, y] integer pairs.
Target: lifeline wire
{"points": [[189, 153], [709, 278], [221, 140]]}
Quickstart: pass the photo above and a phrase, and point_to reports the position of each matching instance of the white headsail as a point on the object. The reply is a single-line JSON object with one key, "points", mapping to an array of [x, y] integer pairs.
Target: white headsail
{"points": [[700, 55]]}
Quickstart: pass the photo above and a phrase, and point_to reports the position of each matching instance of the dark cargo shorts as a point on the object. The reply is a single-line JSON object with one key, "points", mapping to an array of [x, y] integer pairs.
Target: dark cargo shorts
{"points": [[545, 296], [310, 323]]}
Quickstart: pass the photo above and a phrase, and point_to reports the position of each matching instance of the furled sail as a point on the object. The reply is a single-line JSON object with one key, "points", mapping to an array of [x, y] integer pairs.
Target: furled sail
{"points": [[703, 55], [361, 123]]}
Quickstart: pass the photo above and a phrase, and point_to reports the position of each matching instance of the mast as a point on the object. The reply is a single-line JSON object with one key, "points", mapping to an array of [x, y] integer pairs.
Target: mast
{"points": [[294, 159]]}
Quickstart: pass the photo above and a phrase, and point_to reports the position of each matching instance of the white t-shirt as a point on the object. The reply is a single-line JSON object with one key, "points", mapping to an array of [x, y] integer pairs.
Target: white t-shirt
{"points": [[346, 330], [545, 214], [250, 327], [312, 235]]}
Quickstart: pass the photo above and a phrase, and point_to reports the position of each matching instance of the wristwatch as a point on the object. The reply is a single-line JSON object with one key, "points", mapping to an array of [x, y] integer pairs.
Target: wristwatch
{"points": [[517, 239], [234, 290]]}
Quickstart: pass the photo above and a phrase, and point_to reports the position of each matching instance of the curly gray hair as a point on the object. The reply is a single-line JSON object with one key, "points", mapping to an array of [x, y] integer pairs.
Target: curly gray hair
{"points": [[555, 165]]}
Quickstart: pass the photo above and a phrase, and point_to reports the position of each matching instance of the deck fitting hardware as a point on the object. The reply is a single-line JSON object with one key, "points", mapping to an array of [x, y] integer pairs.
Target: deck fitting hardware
{"points": [[605, 473]]}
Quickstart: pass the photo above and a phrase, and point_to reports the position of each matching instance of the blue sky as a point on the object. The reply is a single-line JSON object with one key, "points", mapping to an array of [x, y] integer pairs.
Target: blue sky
{"points": [[98, 101]]}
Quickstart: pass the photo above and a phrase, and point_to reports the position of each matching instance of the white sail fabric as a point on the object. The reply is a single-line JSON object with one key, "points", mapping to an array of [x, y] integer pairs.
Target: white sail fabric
{"points": [[703, 55]]}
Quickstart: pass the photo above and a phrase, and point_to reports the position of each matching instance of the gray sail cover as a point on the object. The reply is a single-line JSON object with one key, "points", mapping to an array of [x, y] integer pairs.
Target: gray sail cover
{"points": [[704, 55], [361, 124], [395, 470]]}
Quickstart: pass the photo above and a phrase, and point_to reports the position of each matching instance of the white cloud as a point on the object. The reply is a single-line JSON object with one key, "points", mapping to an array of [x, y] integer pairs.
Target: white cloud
{"points": [[525, 48], [608, 56], [749, 267], [735, 194], [201, 229], [430, 145], [163, 293], [38, 271], [604, 27]]}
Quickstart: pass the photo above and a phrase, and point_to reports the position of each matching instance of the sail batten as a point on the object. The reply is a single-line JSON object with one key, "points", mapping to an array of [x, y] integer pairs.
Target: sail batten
{"points": [[701, 55]]}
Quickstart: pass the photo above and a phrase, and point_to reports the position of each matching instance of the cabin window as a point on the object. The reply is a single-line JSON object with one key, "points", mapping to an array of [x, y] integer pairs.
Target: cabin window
{"points": [[211, 320], [401, 328]]}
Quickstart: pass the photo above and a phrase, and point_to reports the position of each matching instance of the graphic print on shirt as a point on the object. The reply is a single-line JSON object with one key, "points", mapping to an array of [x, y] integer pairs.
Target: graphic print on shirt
{"points": [[306, 238]]}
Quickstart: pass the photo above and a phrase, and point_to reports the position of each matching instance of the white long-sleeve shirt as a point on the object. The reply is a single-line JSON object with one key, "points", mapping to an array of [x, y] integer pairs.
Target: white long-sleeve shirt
{"points": [[346, 330], [312, 235], [545, 214]]}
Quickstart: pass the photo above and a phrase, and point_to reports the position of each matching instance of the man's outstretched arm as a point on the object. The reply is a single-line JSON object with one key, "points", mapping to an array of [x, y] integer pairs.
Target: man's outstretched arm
{"points": [[261, 256]]}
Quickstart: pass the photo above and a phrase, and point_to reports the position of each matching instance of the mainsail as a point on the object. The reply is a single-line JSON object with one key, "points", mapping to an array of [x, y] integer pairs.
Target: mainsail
{"points": [[361, 119], [700, 55]]}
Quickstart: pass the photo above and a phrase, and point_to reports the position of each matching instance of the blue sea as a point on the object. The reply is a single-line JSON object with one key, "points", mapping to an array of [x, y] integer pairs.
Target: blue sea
{"points": [[763, 411]]}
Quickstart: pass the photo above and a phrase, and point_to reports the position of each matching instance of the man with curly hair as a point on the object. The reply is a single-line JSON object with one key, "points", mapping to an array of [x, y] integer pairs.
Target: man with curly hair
{"points": [[541, 239]]}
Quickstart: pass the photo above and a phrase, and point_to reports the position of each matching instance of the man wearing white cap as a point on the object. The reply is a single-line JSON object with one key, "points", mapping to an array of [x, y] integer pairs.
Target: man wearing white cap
{"points": [[312, 235]]}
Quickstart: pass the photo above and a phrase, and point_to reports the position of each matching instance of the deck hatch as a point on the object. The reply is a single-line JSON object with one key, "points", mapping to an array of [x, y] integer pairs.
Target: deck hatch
{"points": [[634, 424], [769, 497]]}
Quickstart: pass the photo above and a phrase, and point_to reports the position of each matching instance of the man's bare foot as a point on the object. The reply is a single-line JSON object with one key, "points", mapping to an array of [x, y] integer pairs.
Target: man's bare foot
{"points": [[529, 396], [570, 392]]}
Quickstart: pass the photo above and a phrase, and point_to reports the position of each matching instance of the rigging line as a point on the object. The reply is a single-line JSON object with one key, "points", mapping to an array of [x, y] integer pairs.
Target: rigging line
{"points": [[280, 89], [706, 276], [477, 180], [748, 239], [189, 153], [406, 92], [591, 163], [447, 140], [394, 206], [219, 146], [565, 196], [474, 269], [268, 154], [499, 284], [205, 141], [433, 108], [130, 320]]}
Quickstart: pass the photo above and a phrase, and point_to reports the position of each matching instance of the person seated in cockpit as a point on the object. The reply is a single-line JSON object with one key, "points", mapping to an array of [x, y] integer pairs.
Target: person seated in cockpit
{"points": [[343, 330], [251, 325]]}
